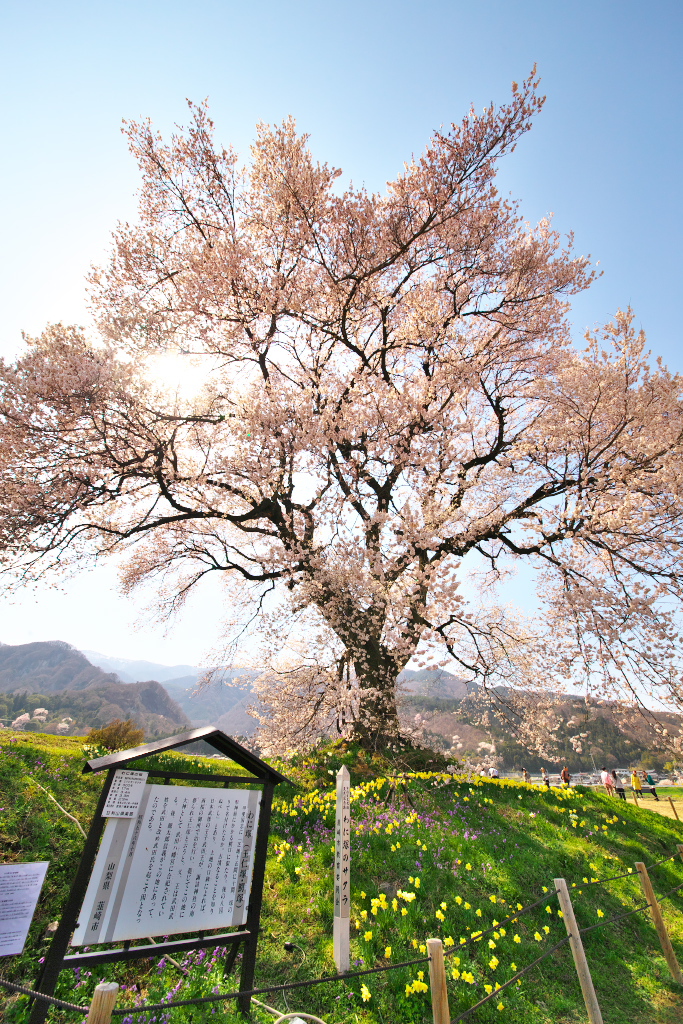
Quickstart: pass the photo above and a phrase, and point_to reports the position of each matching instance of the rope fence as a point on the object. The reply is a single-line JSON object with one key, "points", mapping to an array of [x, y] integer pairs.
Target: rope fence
{"points": [[107, 1010]]}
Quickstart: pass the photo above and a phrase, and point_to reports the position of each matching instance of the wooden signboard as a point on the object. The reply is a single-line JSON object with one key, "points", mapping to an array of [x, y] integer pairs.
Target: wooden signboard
{"points": [[168, 860]]}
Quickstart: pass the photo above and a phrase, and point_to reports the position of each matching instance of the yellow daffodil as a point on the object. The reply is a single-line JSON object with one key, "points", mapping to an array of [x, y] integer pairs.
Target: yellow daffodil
{"points": [[365, 993], [367, 936]]}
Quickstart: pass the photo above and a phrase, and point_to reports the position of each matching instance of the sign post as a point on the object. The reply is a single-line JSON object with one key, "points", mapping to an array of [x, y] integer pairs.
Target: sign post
{"points": [[342, 871], [162, 859]]}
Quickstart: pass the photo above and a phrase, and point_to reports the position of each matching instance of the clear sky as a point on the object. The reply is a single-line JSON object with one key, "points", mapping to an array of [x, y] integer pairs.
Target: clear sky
{"points": [[369, 81]]}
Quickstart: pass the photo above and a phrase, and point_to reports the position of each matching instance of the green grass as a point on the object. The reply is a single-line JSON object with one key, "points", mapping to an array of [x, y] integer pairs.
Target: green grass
{"points": [[466, 842]]}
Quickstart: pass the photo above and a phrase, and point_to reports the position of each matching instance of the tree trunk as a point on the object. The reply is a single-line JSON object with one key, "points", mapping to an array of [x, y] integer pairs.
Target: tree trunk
{"points": [[376, 723]]}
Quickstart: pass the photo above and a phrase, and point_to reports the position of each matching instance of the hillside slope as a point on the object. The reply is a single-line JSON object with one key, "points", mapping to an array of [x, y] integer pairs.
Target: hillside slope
{"points": [[443, 857]]}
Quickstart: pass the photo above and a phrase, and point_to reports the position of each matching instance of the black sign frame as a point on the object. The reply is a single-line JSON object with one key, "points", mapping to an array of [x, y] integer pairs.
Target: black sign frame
{"points": [[58, 958]]}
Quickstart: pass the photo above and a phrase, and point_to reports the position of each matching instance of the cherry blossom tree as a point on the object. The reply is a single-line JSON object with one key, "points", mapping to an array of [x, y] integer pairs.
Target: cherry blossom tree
{"points": [[379, 414]]}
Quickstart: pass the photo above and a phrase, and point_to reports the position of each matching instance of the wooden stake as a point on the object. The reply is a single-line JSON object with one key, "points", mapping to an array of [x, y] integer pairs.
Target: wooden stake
{"points": [[437, 982], [103, 1000], [341, 935], [658, 921], [580, 962], [673, 808], [679, 847]]}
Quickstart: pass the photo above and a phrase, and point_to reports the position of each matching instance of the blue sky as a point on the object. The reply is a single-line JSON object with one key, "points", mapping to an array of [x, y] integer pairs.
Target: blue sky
{"points": [[369, 82]]}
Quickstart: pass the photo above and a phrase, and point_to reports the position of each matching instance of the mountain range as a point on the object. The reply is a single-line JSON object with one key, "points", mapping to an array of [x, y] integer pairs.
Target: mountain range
{"points": [[53, 687], [92, 688]]}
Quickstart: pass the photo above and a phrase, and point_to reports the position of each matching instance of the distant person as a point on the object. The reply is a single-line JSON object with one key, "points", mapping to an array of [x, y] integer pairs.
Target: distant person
{"points": [[545, 777], [525, 775], [636, 783], [565, 776], [619, 786], [651, 783], [607, 781], [493, 773]]}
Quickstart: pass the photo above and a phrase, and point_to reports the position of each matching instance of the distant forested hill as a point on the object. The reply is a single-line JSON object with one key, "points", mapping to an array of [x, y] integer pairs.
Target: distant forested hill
{"points": [[57, 677]]}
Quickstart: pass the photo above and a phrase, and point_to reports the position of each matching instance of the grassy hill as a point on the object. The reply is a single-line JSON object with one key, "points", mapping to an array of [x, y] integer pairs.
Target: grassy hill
{"points": [[442, 858]]}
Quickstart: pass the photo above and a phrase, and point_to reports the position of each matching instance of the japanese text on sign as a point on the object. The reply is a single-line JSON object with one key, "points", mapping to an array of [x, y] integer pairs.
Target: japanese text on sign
{"points": [[183, 864], [342, 850], [125, 794], [20, 886]]}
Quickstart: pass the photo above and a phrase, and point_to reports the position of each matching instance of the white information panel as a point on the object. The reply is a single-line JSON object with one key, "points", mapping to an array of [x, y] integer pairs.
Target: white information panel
{"points": [[20, 886], [182, 864], [125, 794]]}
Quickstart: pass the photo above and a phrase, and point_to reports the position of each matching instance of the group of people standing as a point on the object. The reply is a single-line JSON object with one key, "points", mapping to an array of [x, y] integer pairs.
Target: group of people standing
{"points": [[641, 782]]}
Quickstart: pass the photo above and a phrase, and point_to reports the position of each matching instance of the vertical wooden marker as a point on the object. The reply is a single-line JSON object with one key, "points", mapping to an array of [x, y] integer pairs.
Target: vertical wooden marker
{"points": [[658, 921], [103, 1000], [580, 962], [673, 808], [342, 871], [437, 982]]}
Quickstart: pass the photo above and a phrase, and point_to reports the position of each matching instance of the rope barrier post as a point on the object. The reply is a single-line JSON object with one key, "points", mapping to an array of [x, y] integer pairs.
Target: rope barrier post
{"points": [[437, 982], [103, 1000], [673, 808], [658, 921], [580, 962], [679, 847]]}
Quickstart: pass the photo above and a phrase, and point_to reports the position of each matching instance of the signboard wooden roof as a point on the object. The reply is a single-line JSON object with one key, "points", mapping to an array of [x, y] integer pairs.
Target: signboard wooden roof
{"points": [[210, 734]]}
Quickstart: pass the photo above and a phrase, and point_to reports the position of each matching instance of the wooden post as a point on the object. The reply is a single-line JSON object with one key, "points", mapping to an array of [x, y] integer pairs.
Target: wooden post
{"points": [[580, 962], [673, 808], [658, 921], [679, 847], [103, 1000], [437, 982], [342, 872]]}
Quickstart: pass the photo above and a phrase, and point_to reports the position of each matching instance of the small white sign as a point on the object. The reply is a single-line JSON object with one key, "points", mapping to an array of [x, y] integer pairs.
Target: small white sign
{"points": [[123, 799], [20, 886]]}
